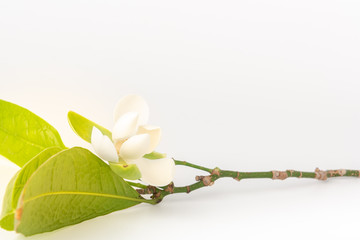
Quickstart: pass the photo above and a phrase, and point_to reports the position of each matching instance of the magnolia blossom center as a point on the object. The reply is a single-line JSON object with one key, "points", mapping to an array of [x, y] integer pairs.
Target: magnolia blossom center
{"points": [[118, 145]]}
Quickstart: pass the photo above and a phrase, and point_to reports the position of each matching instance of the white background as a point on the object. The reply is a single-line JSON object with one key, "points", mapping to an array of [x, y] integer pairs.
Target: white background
{"points": [[244, 85]]}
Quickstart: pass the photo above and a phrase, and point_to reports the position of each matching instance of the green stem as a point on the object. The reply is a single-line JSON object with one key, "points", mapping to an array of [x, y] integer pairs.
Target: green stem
{"points": [[177, 162], [138, 185], [216, 173]]}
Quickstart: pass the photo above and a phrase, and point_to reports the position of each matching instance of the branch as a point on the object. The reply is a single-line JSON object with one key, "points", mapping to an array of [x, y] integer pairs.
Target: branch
{"points": [[203, 181]]}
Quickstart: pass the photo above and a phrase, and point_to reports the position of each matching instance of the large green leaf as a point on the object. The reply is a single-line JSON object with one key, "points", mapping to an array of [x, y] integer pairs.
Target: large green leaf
{"points": [[70, 187], [83, 126], [17, 184], [23, 134]]}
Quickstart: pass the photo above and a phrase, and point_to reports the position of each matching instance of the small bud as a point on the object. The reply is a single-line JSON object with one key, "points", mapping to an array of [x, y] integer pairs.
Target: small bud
{"points": [[281, 175], [216, 171], [199, 178], [170, 188], [207, 181], [320, 174]]}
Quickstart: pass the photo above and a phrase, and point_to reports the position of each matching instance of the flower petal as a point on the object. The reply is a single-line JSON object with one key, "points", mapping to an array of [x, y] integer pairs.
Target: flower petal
{"points": [[96, 138], [132, 103], [103, 146], [125, 126], [155, 135], [158, 172], [135, 147]]}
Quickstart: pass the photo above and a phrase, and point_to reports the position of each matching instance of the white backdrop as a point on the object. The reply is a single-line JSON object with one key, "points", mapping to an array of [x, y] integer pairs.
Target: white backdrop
{"points": [[243, 85]]}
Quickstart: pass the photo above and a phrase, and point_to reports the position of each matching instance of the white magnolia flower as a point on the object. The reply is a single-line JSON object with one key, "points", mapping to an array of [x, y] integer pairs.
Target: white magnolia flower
{"points": [[132, 139]]}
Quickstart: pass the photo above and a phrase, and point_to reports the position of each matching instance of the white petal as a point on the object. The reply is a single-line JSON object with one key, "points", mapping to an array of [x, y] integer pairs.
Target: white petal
{"points": [[108, 150], [103, 146], [125, 126], [135, 147], [96, 138], [158, 172], [132, 103], [155, 135]]}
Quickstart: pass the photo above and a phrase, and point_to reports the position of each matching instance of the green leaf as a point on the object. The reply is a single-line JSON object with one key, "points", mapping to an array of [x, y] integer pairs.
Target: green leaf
{"points": [[17, 184], [70, 187], [155, 155], [23, 134], [7, 215], [83, 126], [127, 171]]}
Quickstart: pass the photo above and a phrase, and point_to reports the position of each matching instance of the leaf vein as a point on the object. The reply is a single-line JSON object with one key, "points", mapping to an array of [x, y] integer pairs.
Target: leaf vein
{"points": [[85, 194], [22, 138]]}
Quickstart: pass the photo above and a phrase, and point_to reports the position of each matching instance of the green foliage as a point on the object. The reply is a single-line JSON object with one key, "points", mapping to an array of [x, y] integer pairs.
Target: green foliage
{"points": [[155, 155], [127, 171], [83, 126], [17, 184], [57, 187], [7, 214], [23, 134], [70, 187]]}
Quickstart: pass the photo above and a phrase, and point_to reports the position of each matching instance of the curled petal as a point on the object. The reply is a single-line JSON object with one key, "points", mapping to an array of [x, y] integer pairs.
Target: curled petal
{"points": [[154, 133], [135, 147], [132, 103], [125, 126], [103, 146], [158, 172]]}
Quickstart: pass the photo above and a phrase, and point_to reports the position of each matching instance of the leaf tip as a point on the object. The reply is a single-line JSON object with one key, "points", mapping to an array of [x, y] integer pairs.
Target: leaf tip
{"points": [[69, 115]]}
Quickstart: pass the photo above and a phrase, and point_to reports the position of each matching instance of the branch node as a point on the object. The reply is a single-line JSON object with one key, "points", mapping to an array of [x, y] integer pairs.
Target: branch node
{"points": [[216, 171], [156, 195], [339, 172], [320, 174], [152, 189], [170, 188], [188, 189], [281, 175], [199, 178], [140, 191], [207, 181], [237, 176]]}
